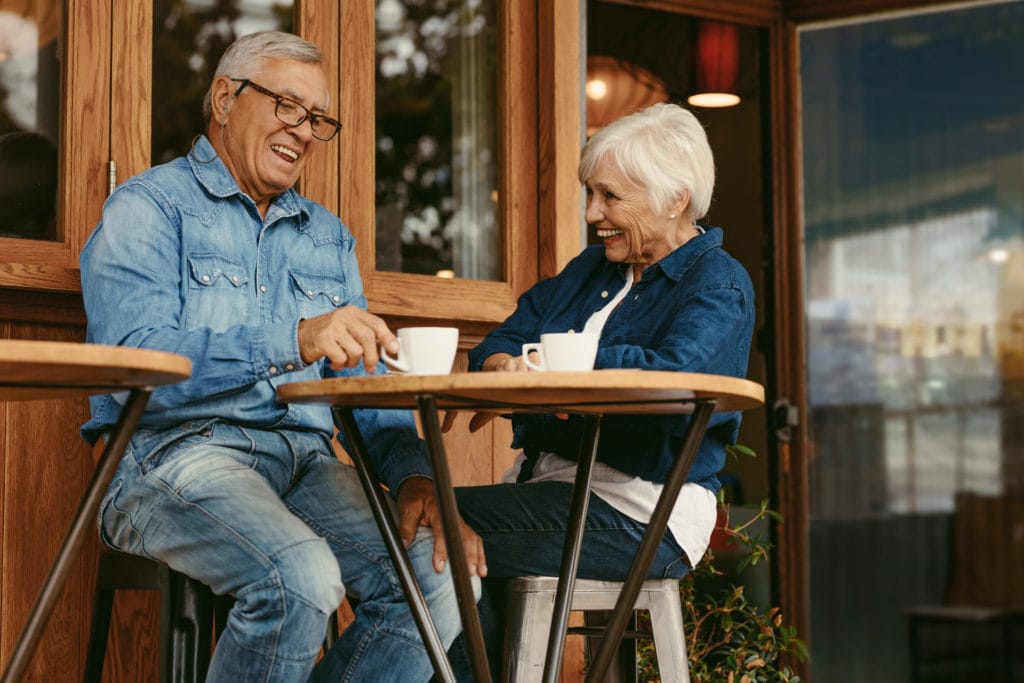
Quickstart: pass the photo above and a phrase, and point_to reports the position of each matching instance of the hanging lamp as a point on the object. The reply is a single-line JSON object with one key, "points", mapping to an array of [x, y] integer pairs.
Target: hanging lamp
{"points": [[716, 62]]}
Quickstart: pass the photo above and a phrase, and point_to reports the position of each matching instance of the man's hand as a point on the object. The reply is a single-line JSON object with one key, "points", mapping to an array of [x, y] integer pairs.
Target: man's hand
{"points": [[417, 506], [345, 336]]}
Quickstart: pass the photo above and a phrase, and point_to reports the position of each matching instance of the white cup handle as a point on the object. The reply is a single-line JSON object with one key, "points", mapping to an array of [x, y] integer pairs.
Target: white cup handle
{"points": [[394, 363], [539, 348]]}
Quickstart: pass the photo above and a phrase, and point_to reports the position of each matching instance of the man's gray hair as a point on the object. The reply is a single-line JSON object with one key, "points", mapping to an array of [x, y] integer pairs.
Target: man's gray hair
{"points": [[664, 150], [244, 57]]}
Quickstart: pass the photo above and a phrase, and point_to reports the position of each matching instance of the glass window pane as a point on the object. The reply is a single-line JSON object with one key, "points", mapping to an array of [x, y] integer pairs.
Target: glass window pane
{"points": [[436, 154], [189, 37], [29, 117], [913, 143]]}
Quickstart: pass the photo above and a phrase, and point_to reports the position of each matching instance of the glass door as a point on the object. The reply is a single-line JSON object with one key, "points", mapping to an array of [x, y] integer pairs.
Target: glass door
{"points": [[913, 202]]}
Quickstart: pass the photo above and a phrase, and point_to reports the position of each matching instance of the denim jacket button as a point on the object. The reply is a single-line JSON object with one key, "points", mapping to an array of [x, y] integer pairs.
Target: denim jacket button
{"points": [[234, 278], [263, 288], [289, 367], [206, 278], [604, 294], [273, 369]]}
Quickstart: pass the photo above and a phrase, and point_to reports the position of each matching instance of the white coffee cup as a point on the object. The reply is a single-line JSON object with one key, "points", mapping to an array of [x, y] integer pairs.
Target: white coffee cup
{"points": [[563, 351], [424, 350]]}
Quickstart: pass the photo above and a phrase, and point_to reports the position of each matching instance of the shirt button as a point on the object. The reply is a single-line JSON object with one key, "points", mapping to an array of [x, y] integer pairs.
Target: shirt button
{"points": [[234, 278], [335, 298], [289, 367], [309, 292], [206, 278], [273, 369], [263, 288], [604, 294]]}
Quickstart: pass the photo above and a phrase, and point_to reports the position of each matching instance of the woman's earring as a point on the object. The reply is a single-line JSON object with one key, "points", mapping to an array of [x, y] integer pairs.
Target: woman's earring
{"points": [[672, 216]]}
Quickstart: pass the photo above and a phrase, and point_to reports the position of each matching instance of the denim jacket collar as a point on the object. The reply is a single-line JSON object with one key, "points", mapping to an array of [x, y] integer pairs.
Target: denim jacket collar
{"points": [[675, 265], [214, 176]]}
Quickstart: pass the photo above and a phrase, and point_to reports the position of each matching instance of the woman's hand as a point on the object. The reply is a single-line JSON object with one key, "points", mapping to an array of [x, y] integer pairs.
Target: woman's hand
{"points": [[503, 362], [499, 362]]}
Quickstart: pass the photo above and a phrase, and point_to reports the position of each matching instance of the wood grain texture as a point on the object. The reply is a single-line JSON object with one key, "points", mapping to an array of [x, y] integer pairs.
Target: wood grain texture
{"points": [[320, 180], [560, 138], [45, 466], [131, 101], [31, 369], [604, 391]]}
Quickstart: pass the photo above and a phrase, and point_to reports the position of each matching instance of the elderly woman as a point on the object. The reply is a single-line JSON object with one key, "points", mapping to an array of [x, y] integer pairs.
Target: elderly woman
{"points": [[662, 294]]}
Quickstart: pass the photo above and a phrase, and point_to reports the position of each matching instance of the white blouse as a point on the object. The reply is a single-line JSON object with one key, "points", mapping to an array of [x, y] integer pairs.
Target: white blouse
{"points": [[695, 513]]}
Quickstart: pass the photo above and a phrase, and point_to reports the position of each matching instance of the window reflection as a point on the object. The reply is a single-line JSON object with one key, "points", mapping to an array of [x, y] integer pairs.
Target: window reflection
{"points": [[436, 154], [913, 141], [189, 38], [29, 108]]}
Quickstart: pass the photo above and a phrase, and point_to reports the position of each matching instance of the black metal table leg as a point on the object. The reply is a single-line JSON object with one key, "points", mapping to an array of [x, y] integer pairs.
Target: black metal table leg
{"points": [[652, 537], [84, 517], [471, 629], [392, 540], [571, 550]]}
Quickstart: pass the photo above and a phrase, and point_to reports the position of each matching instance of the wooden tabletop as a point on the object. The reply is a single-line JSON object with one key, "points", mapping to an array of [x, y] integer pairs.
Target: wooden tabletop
{"points": [[44, 369], [603, 391]]}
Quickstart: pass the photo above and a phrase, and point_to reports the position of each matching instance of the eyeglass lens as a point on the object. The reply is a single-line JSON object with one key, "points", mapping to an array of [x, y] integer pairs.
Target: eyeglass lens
{"points": [[293, 114]]}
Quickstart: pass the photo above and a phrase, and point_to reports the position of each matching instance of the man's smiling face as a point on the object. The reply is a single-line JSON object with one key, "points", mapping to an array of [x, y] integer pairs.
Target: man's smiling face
{"points": [[265, 155]]}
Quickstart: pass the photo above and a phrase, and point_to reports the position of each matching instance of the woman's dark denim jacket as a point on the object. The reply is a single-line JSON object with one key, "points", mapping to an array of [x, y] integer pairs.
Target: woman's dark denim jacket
{"points": [[693, 311]]}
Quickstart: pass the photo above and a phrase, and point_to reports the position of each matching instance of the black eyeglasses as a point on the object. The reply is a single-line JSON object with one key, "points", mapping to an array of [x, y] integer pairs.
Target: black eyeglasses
{"points": [[291, 113]]}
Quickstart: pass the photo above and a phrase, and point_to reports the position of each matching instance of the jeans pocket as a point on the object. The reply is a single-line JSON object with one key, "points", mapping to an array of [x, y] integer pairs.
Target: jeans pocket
{"points": [[105, 505], [115, 523], [151, 448], [677, 569]]}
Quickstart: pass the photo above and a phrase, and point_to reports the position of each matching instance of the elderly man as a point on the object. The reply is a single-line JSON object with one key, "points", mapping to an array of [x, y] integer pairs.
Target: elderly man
{"points": [[215, 256]]}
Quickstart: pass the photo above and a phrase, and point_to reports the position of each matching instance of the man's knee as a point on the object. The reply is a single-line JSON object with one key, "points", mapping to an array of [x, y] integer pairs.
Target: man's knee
{"points": [[309, 573]]}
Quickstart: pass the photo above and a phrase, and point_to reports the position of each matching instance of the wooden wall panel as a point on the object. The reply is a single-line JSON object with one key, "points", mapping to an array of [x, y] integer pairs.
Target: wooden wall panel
{"points": [[46, 467]]}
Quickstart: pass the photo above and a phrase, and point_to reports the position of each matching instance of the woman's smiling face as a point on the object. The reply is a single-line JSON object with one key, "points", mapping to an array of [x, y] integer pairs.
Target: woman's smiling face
{"points": [[620, 212]]}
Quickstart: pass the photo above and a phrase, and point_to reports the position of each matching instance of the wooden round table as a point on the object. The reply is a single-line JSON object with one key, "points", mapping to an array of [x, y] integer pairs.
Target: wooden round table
{"points": [[591, 394], [55, 370]]}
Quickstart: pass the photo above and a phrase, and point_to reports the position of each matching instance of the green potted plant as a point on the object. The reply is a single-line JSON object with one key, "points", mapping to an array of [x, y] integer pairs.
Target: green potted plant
{"points": [[729, 638]]}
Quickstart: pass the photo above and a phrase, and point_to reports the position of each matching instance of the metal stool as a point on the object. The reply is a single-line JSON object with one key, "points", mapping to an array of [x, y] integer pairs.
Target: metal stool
{"points": [[186, 616], [189, 615], [531, 604]]}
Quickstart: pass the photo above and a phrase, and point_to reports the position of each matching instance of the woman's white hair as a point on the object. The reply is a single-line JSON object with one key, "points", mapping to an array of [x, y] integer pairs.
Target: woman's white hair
{"points": [[244, 57], [662, 149]]}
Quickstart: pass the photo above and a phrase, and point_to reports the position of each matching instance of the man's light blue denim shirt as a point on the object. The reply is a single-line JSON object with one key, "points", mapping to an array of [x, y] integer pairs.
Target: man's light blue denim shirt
{"points": [[692, 311], [182, 261]]}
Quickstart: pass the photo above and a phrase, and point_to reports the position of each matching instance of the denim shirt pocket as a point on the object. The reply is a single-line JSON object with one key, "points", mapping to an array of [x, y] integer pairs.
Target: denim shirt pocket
{"points": [[217, 292], [317, 294]]}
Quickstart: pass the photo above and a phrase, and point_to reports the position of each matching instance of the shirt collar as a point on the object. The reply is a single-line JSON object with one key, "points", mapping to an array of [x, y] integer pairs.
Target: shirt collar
{"points": [[679, 261], [212, 174]]}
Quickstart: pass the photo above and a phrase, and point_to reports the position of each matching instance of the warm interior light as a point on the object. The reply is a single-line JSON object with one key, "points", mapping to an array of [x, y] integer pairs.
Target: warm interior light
{"points": [[998, 255], [616, 88], [714, 99], [445, 273], [596, 89], [716, 61]]}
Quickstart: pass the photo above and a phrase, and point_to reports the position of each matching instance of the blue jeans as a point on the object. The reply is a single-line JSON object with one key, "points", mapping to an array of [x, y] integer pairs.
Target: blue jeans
{"points": [[523, 528], [276, 520]]}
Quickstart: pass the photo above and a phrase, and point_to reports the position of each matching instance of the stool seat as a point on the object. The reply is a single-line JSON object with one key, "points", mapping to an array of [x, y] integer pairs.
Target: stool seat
{"points": [[190, 616], [187, 610], [531, 605]]}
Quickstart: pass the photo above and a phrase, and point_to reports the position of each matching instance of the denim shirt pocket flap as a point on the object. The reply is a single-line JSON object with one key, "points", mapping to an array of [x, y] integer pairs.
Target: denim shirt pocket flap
{"points": [[207, 269], [322, 289]]}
